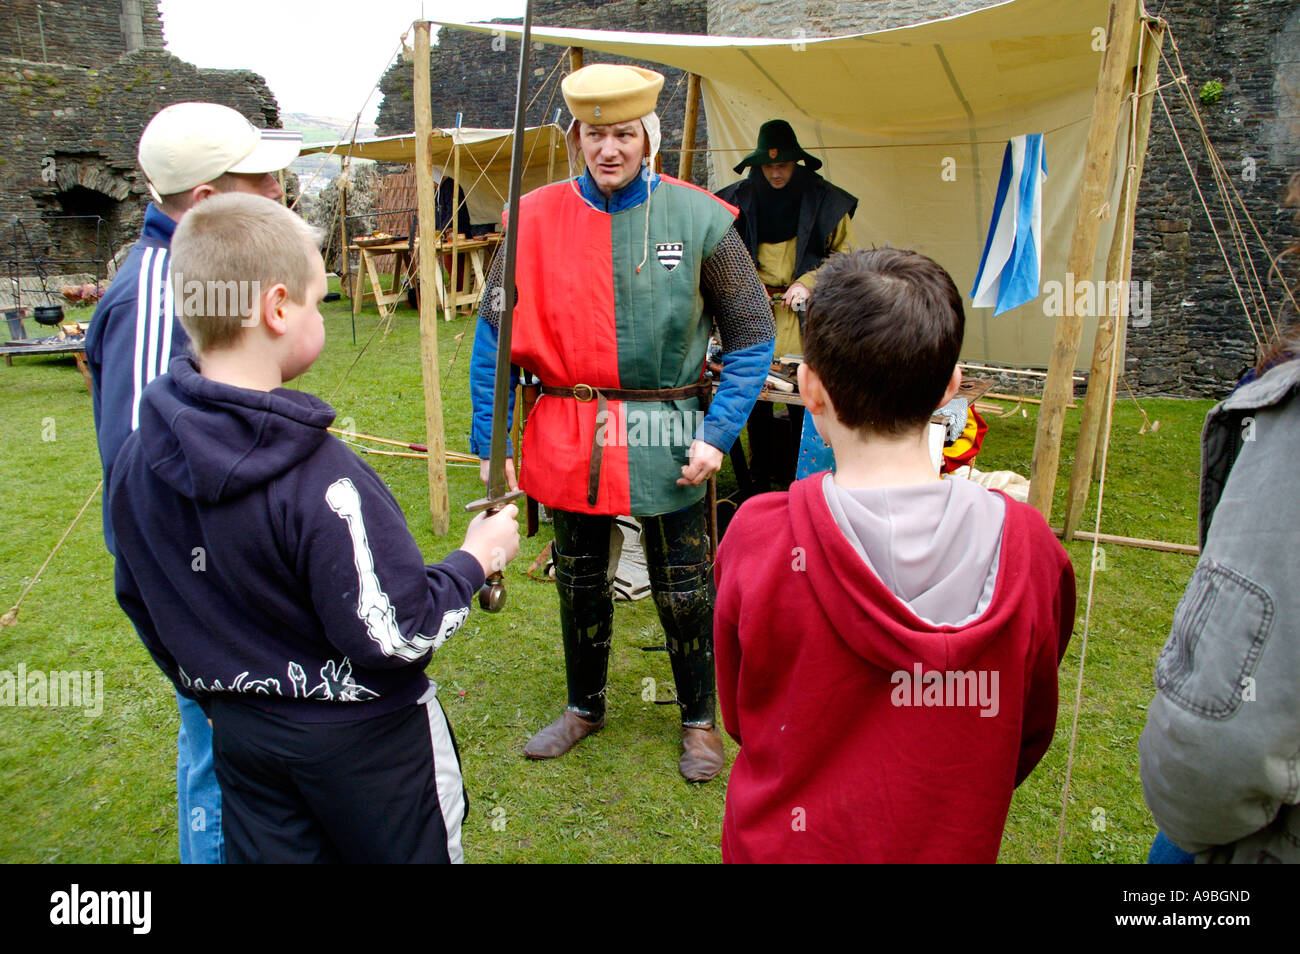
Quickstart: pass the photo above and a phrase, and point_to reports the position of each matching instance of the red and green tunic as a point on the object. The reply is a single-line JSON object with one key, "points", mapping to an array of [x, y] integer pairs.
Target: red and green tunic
{"points": [[585, 315]]}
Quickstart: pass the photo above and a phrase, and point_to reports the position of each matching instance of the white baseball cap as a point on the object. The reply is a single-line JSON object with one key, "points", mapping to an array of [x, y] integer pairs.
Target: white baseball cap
{"points": [[188, 144]]}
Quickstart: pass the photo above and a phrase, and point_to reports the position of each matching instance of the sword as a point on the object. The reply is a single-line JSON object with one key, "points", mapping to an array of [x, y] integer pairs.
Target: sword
{"points": [[492, 596]]}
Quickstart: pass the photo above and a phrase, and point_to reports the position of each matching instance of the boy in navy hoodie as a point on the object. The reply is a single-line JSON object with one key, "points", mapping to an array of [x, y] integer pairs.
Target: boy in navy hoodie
{"points": [[188, 152], [270, 572], [887, 641]]}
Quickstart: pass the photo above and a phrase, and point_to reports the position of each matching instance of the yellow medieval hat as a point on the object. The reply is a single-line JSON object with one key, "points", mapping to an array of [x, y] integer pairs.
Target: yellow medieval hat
{"points": [[605, 93]]}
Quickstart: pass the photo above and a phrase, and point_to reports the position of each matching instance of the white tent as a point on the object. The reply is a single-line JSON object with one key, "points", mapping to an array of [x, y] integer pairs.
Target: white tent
{"points": [[481, 156], [914, 121]]}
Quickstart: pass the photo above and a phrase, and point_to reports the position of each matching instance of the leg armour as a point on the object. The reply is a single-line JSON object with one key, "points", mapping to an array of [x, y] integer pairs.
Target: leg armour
{"points": [[682, 583], [586, 608]]}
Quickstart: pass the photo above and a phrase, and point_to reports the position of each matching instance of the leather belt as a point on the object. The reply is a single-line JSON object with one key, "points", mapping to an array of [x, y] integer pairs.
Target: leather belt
{"points": [[586, 392]]}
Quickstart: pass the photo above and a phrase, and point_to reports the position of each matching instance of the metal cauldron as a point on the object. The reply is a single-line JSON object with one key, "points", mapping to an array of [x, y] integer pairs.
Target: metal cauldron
{"points": [[48, 314]]}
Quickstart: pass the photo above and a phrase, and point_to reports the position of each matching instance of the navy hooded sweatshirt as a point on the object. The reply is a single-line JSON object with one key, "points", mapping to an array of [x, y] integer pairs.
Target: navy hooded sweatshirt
{"points": [[131, 340], [259, 558]]}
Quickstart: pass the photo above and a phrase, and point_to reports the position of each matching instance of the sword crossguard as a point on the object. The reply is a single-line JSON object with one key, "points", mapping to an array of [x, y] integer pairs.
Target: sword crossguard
{"points": [[492, 594], [493, 504]]}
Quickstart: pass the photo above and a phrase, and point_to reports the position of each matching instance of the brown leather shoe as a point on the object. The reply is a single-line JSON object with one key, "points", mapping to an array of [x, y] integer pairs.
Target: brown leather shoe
{"points": [[701, 753], [560, 736]]}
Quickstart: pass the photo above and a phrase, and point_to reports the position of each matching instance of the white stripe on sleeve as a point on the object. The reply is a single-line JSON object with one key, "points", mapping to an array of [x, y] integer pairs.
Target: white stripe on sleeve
{"points": [[157, 316], [142, 309], [169, 315]]}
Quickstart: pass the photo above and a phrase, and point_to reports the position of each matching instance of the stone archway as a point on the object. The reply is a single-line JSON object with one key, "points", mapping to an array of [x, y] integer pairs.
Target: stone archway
{"points": [[84, 213]]}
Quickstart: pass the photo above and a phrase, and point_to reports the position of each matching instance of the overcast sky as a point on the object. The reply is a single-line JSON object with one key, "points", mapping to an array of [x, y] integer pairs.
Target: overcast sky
{"points": [[318, 56]]}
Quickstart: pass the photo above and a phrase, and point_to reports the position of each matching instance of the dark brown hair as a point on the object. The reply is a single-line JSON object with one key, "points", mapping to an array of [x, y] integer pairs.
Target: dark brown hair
{"points": [[883, 332]]}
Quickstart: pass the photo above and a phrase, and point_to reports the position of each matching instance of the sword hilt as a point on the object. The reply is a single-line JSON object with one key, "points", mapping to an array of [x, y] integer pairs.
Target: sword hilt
{"points": [[492, 594]]}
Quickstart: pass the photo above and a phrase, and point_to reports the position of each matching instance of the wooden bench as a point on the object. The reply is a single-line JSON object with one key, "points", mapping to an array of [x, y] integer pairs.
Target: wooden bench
{"points": [[75, 348]]}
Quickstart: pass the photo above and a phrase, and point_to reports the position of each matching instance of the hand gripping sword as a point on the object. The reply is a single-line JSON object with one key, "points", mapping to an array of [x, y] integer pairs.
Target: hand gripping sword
{"points": [[493, 594]]}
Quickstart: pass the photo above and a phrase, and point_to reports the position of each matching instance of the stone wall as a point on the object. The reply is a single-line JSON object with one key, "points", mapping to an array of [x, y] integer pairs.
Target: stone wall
{"points": [[70, 128], [1199, 339], [473, 75], [73, 33]]}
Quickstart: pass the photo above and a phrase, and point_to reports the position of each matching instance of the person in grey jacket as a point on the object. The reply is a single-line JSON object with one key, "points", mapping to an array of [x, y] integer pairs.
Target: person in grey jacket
{"points": [[1220, 753]]}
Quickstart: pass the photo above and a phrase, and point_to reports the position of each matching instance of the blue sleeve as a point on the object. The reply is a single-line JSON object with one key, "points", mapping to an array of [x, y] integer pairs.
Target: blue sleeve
{"points": [[743, 373], [482, 380], [129, 343], [132, 603]]}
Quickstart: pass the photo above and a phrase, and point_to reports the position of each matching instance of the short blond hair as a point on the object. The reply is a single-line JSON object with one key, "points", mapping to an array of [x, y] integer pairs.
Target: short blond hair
{"points": [[225, 251]]}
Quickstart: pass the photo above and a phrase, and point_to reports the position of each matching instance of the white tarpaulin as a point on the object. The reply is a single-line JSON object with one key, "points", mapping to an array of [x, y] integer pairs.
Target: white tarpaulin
{"points": [[914, 121], [484, 161]]}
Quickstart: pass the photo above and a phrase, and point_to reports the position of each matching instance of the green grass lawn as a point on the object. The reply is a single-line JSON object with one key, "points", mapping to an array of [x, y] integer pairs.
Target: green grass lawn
{"points": [[102, 789]]}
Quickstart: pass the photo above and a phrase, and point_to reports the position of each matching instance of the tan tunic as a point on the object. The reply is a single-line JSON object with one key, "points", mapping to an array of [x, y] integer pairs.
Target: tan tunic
{"points": [[776, 268]]}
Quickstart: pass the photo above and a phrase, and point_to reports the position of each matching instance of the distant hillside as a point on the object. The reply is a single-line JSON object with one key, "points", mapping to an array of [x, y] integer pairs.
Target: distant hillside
{"points": [[316, 172], [323, 128]]}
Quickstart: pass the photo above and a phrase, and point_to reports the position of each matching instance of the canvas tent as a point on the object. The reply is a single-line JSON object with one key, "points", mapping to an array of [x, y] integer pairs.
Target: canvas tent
{"points": [[914, 121], [481, 157]]}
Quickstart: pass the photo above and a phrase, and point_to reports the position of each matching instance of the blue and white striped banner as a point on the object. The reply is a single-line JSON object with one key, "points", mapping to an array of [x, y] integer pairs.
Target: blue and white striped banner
{"points": [[1009, 269]]}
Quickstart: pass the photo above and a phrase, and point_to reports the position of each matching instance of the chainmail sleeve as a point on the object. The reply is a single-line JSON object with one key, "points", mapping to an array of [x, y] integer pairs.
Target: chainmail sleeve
{"points": [[493, 300], [734, 296]]}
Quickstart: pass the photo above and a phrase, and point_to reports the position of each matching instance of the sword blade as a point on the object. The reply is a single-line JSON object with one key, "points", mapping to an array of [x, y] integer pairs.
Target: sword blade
{"points": [[497, 487]]}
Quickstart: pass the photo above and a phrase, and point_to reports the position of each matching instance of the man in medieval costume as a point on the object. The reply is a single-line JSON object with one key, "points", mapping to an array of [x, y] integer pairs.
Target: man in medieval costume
{"points": [[622, 273], [791, 220]]}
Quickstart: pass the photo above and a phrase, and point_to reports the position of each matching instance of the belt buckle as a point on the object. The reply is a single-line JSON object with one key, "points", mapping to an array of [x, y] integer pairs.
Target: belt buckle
{"points": [[584, 392]]}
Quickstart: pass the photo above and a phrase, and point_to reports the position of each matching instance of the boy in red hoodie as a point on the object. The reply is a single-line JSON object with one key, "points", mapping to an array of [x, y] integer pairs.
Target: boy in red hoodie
{"points": [[887, 641]]}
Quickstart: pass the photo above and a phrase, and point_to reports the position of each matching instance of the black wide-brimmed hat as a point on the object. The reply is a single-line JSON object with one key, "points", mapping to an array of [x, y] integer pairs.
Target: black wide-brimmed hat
{"points": [[777, 143]]}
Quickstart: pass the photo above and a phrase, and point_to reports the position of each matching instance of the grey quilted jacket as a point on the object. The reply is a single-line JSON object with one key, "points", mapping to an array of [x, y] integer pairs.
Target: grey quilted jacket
{"points": [[1220, 752]]}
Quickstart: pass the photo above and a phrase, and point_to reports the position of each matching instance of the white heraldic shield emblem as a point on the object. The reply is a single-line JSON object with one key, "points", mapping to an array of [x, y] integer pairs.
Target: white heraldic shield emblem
{"points": [[670, 254]]}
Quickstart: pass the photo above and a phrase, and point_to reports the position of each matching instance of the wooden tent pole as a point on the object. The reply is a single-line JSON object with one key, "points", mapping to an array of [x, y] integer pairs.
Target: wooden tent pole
{"points": [[1112, 87], [687, 165], [1158, 28], [1095, 423], [453, 280], [345, 275], [439, 503], [550, 159], [575, 59]]}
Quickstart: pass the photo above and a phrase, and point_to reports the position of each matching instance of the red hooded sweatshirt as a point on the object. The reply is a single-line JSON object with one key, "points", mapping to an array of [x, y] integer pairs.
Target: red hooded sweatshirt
{"points": [[865, 733]]}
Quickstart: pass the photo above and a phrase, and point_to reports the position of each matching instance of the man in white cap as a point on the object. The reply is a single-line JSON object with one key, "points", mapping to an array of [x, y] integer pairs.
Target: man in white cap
{"points": [[189, 151], [622, 274]]}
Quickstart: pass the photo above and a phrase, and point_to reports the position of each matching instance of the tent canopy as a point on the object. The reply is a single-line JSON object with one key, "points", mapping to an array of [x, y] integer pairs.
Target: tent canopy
{"points": [[484, 160], [914, 121]]}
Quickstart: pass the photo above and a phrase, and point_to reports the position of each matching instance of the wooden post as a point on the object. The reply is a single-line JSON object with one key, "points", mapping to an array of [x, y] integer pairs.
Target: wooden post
{"points": [[439, 504], [453, 278], [687, 164], [1112, 86], [550, 158], [575, 59], [345, 278], [1121, 343], [1095, 421]]}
